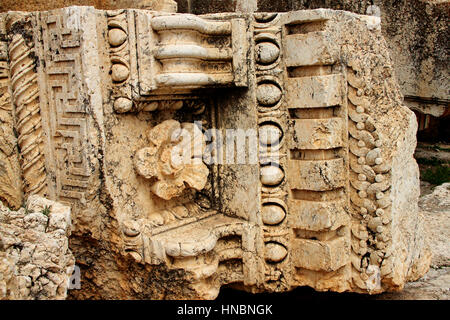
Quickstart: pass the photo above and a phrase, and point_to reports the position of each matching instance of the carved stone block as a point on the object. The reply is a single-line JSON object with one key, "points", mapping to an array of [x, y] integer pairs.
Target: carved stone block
{"points": [[266, 151]]}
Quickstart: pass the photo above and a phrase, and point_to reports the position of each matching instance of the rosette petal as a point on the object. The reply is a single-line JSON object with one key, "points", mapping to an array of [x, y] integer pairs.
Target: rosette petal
{"points": [[146, 162]]}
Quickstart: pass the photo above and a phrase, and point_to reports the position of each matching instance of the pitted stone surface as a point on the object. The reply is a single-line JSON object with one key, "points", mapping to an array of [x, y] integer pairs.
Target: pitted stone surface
{"points": [[265, 151], [36, 262]]}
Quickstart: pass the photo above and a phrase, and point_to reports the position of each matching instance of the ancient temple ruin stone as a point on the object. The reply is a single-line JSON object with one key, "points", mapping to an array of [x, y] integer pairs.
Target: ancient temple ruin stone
{"points": [[35, 260], [263, 151]]}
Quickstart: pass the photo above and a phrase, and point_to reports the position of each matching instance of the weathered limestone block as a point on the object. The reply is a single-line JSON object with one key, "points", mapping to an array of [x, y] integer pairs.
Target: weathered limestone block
{"points": [[36, 262], [266, 151]]}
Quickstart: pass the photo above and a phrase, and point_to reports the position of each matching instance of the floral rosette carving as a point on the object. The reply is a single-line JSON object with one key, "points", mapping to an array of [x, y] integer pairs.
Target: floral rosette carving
{"points": [[173, 162]]}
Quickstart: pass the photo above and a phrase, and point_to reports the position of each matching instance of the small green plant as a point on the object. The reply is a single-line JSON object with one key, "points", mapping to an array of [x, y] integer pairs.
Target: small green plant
{"points": [[437, 175], [24, 205], [46, 211]]}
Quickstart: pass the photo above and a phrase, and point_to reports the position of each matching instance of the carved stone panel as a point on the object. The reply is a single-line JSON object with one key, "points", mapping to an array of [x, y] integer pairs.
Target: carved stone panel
{"points": [[255, 150]]}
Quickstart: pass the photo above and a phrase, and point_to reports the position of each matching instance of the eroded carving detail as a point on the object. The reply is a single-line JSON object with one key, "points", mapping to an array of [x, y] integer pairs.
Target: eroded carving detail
{"points": [[120, 59], [318, 172], [10, 175], [272, 117], [174, 159], [25, 91], [369, 191], [207, 56], [212, 54], [309, 230], [66, 109]]}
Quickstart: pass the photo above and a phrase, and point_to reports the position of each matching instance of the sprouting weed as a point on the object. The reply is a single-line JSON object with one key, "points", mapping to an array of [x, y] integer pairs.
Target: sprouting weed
{"points": [[46, 211], [24, 205]]}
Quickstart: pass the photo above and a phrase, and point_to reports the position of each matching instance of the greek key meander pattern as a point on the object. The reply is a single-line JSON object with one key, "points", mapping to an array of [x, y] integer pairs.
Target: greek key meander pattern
{"points": [[66, 108]]}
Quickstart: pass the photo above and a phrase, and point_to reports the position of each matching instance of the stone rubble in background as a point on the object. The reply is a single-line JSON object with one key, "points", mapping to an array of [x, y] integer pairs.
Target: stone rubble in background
{"points": [[35, 260], [438, 200], [436, 209], [435, 284]]}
